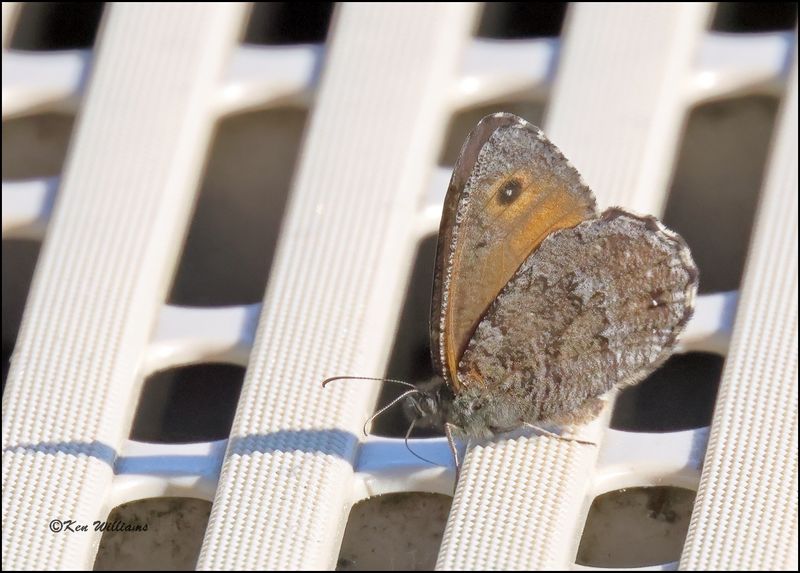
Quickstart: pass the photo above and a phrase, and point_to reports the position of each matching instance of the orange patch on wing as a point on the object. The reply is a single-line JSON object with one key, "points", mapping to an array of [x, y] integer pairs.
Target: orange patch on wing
{"points": [[495, 238]]}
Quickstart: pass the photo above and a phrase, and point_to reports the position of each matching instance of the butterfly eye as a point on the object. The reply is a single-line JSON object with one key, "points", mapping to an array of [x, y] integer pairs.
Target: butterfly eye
{"points": [[509, 192]]}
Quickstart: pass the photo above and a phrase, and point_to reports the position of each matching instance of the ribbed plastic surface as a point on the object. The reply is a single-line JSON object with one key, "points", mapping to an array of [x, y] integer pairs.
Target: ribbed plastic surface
{"points": [[745, 516], [617, 109], [515, 505], [610, 136], [103, 271], [338, 276]]}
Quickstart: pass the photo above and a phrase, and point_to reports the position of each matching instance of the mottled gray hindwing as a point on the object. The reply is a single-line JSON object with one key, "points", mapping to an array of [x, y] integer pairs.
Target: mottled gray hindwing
{"points": [[596, 306]]}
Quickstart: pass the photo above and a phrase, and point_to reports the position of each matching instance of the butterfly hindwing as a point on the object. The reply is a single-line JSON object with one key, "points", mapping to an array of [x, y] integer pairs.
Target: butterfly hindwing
{"points": [[596, 306]]}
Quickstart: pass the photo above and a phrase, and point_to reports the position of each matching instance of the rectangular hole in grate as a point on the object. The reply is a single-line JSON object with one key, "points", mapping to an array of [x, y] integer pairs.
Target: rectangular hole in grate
{"points": [[232, 238], [19, 261], [48, 26], [187, 404], [751, 17], [280, 23], [507, 20], [636, 527], [717, 182], [36, 146], [394, 532], [171, 542], [679, 395]]}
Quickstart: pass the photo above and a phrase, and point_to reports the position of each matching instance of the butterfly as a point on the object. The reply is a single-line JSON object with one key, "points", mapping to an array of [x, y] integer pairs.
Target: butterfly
{"points": [[541, 305]]}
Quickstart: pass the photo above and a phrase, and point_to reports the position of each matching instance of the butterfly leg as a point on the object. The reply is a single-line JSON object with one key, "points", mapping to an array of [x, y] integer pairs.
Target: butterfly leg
{"points": [[550, 434], [448, 431]]}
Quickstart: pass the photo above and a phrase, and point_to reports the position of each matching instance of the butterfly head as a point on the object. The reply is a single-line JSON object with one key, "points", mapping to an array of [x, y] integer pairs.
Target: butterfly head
{"points": [[430, 405]]}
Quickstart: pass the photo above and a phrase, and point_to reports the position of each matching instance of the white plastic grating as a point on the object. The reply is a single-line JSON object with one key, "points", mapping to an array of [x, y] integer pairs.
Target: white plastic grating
{"points": [[750, 472], [359, 206]]}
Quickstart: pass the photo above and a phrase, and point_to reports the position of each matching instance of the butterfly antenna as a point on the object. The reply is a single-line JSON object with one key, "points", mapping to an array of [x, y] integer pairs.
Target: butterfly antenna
{"points": [[408, 447], [331, 379], [387, 406]]}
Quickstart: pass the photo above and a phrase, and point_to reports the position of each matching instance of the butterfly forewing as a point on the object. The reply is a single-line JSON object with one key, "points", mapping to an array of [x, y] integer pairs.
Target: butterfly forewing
{"points": [[510, 189]]}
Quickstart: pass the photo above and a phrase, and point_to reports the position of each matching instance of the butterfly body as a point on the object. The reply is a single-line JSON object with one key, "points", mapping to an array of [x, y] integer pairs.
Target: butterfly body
{"points": [[540, 305]]}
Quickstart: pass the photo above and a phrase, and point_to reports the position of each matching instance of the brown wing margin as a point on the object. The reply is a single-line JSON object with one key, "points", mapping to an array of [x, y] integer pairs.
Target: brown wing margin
{"points": [[461, 172]]}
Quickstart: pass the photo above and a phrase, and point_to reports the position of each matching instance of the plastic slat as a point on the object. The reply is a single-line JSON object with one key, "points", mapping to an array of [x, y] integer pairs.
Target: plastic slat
{"points": [[745, 515], [103, 272], [337, 280]]}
